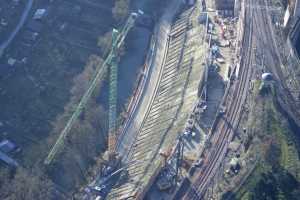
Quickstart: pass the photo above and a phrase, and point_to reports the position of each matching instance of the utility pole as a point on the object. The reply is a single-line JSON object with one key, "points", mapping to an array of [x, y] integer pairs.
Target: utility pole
{"points": [[263, 63]]}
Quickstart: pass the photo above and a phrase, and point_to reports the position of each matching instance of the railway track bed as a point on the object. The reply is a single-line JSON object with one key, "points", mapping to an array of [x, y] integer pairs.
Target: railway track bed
{"points": [[226, 123]]}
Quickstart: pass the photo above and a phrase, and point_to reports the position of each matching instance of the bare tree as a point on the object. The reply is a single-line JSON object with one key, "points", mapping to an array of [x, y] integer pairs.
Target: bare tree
{"points": [[120, 10], [28, 185], [104, 42]]}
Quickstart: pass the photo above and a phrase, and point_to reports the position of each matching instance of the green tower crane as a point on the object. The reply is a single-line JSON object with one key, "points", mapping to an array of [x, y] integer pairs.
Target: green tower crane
{"points": [[111, 61], [113, 83]]}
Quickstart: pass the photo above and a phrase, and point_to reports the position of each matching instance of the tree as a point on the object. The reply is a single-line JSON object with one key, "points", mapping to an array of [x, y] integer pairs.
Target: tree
{"points": [[87, 136], [273, 153], [120, 10], [104, 42], [28, 185]]}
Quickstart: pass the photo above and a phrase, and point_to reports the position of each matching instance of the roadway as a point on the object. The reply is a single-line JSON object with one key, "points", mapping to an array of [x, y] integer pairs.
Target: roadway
{"points": [[13, 34]]}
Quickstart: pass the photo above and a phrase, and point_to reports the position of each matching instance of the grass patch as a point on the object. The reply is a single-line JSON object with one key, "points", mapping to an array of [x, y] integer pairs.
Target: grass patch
{"points": [[277, 174], [289, 158], [244, 192], [256, 86]]}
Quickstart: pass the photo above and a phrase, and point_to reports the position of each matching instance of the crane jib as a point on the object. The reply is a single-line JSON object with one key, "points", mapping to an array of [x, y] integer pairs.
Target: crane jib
{"points": [[110, 61]]}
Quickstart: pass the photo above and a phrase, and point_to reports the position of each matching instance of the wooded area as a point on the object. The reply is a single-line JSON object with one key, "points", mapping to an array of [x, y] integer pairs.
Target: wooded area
{"points": [[81, 156], [84, 146]]}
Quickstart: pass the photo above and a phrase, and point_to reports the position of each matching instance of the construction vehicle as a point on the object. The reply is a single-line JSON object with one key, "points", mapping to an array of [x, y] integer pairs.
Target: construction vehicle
{"points": [[103, 185], [168, 177], [108, 180], [111, 61]]}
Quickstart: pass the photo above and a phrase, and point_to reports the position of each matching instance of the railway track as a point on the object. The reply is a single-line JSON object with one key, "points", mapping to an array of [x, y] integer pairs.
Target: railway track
{"points": [[259, 24], [161, 113], [274, 61], [226, 125], [266, 40], [258, 33]]}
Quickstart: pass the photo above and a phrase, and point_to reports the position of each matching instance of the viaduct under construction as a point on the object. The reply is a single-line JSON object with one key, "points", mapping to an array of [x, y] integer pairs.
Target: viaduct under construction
{"points": [[197, 76]]}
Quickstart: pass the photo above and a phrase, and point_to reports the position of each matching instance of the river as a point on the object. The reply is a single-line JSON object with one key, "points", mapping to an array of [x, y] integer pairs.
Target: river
{"points": [[131, 63]]}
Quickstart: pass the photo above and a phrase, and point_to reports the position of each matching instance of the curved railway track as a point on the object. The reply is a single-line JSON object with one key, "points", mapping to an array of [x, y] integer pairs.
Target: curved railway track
{"points": [[227, 123], [274, 61], [160, 114], [258, 33]]}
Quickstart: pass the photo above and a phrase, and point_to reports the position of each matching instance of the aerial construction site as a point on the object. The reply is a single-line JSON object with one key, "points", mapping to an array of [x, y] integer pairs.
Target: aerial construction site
{"points": [[150, 99]]}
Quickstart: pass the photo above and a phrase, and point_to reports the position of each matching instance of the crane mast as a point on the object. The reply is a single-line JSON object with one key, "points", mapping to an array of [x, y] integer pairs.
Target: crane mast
{"points": [[117, 41], [113, 86], [111, 60]]}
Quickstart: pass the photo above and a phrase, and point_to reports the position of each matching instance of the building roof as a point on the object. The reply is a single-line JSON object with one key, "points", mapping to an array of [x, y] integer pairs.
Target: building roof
{"points": [[39, 13]]}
